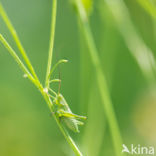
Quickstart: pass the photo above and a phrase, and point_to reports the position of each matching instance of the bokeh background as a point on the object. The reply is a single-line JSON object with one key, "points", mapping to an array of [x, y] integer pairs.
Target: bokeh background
{"points": [[26, 126]]}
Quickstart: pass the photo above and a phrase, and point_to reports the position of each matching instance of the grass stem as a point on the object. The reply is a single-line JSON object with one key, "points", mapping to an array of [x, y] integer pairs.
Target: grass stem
{"points": [[17, 41], [102, 84], [51, 46], [139, 50], [35, 79], [149, 7], [17, 59], [62, 129]]}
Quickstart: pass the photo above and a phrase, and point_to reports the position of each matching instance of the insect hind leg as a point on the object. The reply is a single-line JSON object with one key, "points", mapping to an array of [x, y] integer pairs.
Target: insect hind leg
{"points": [[70, 115]]}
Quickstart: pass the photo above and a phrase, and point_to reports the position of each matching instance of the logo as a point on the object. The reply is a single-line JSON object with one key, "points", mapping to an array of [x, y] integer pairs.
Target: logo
{"points": [[139, 150]]}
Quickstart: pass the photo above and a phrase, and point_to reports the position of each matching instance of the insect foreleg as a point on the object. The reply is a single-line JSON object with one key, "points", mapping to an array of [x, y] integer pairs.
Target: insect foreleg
{"points": [[55, 66], [55, 80]]}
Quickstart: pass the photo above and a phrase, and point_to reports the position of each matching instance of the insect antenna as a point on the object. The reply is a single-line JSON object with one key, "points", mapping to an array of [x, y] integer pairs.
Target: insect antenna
{"points": [[57, 65], [59, 88], [59, 72]]}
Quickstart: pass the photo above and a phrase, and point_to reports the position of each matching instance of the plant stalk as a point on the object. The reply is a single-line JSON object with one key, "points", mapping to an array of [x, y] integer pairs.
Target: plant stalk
{"points": [[102, 84], [35, 79], [17, 40], [62, 129], [139, 50], [44, 94], [17, 59], [52, 37]]}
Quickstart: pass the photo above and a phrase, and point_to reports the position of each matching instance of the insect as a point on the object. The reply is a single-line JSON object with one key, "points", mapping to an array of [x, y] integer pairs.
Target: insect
{"points": [[62, 109], [65, 115]]}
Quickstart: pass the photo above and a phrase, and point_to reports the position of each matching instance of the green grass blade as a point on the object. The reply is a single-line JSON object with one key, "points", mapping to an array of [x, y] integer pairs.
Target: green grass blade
{"points": [[70, 140], [62, 129], [104, 92], [48, 74], [24, 69], [16, 58], [17, 41], [148, 6], [140, 52], [51, 46]]}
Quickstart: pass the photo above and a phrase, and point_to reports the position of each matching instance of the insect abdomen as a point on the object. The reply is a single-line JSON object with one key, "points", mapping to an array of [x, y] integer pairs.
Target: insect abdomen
{"points": [[71, 124]]}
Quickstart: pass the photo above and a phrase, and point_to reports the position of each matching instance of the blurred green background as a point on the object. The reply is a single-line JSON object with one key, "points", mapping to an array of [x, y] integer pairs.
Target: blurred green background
{"points": [[26, 127]]}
